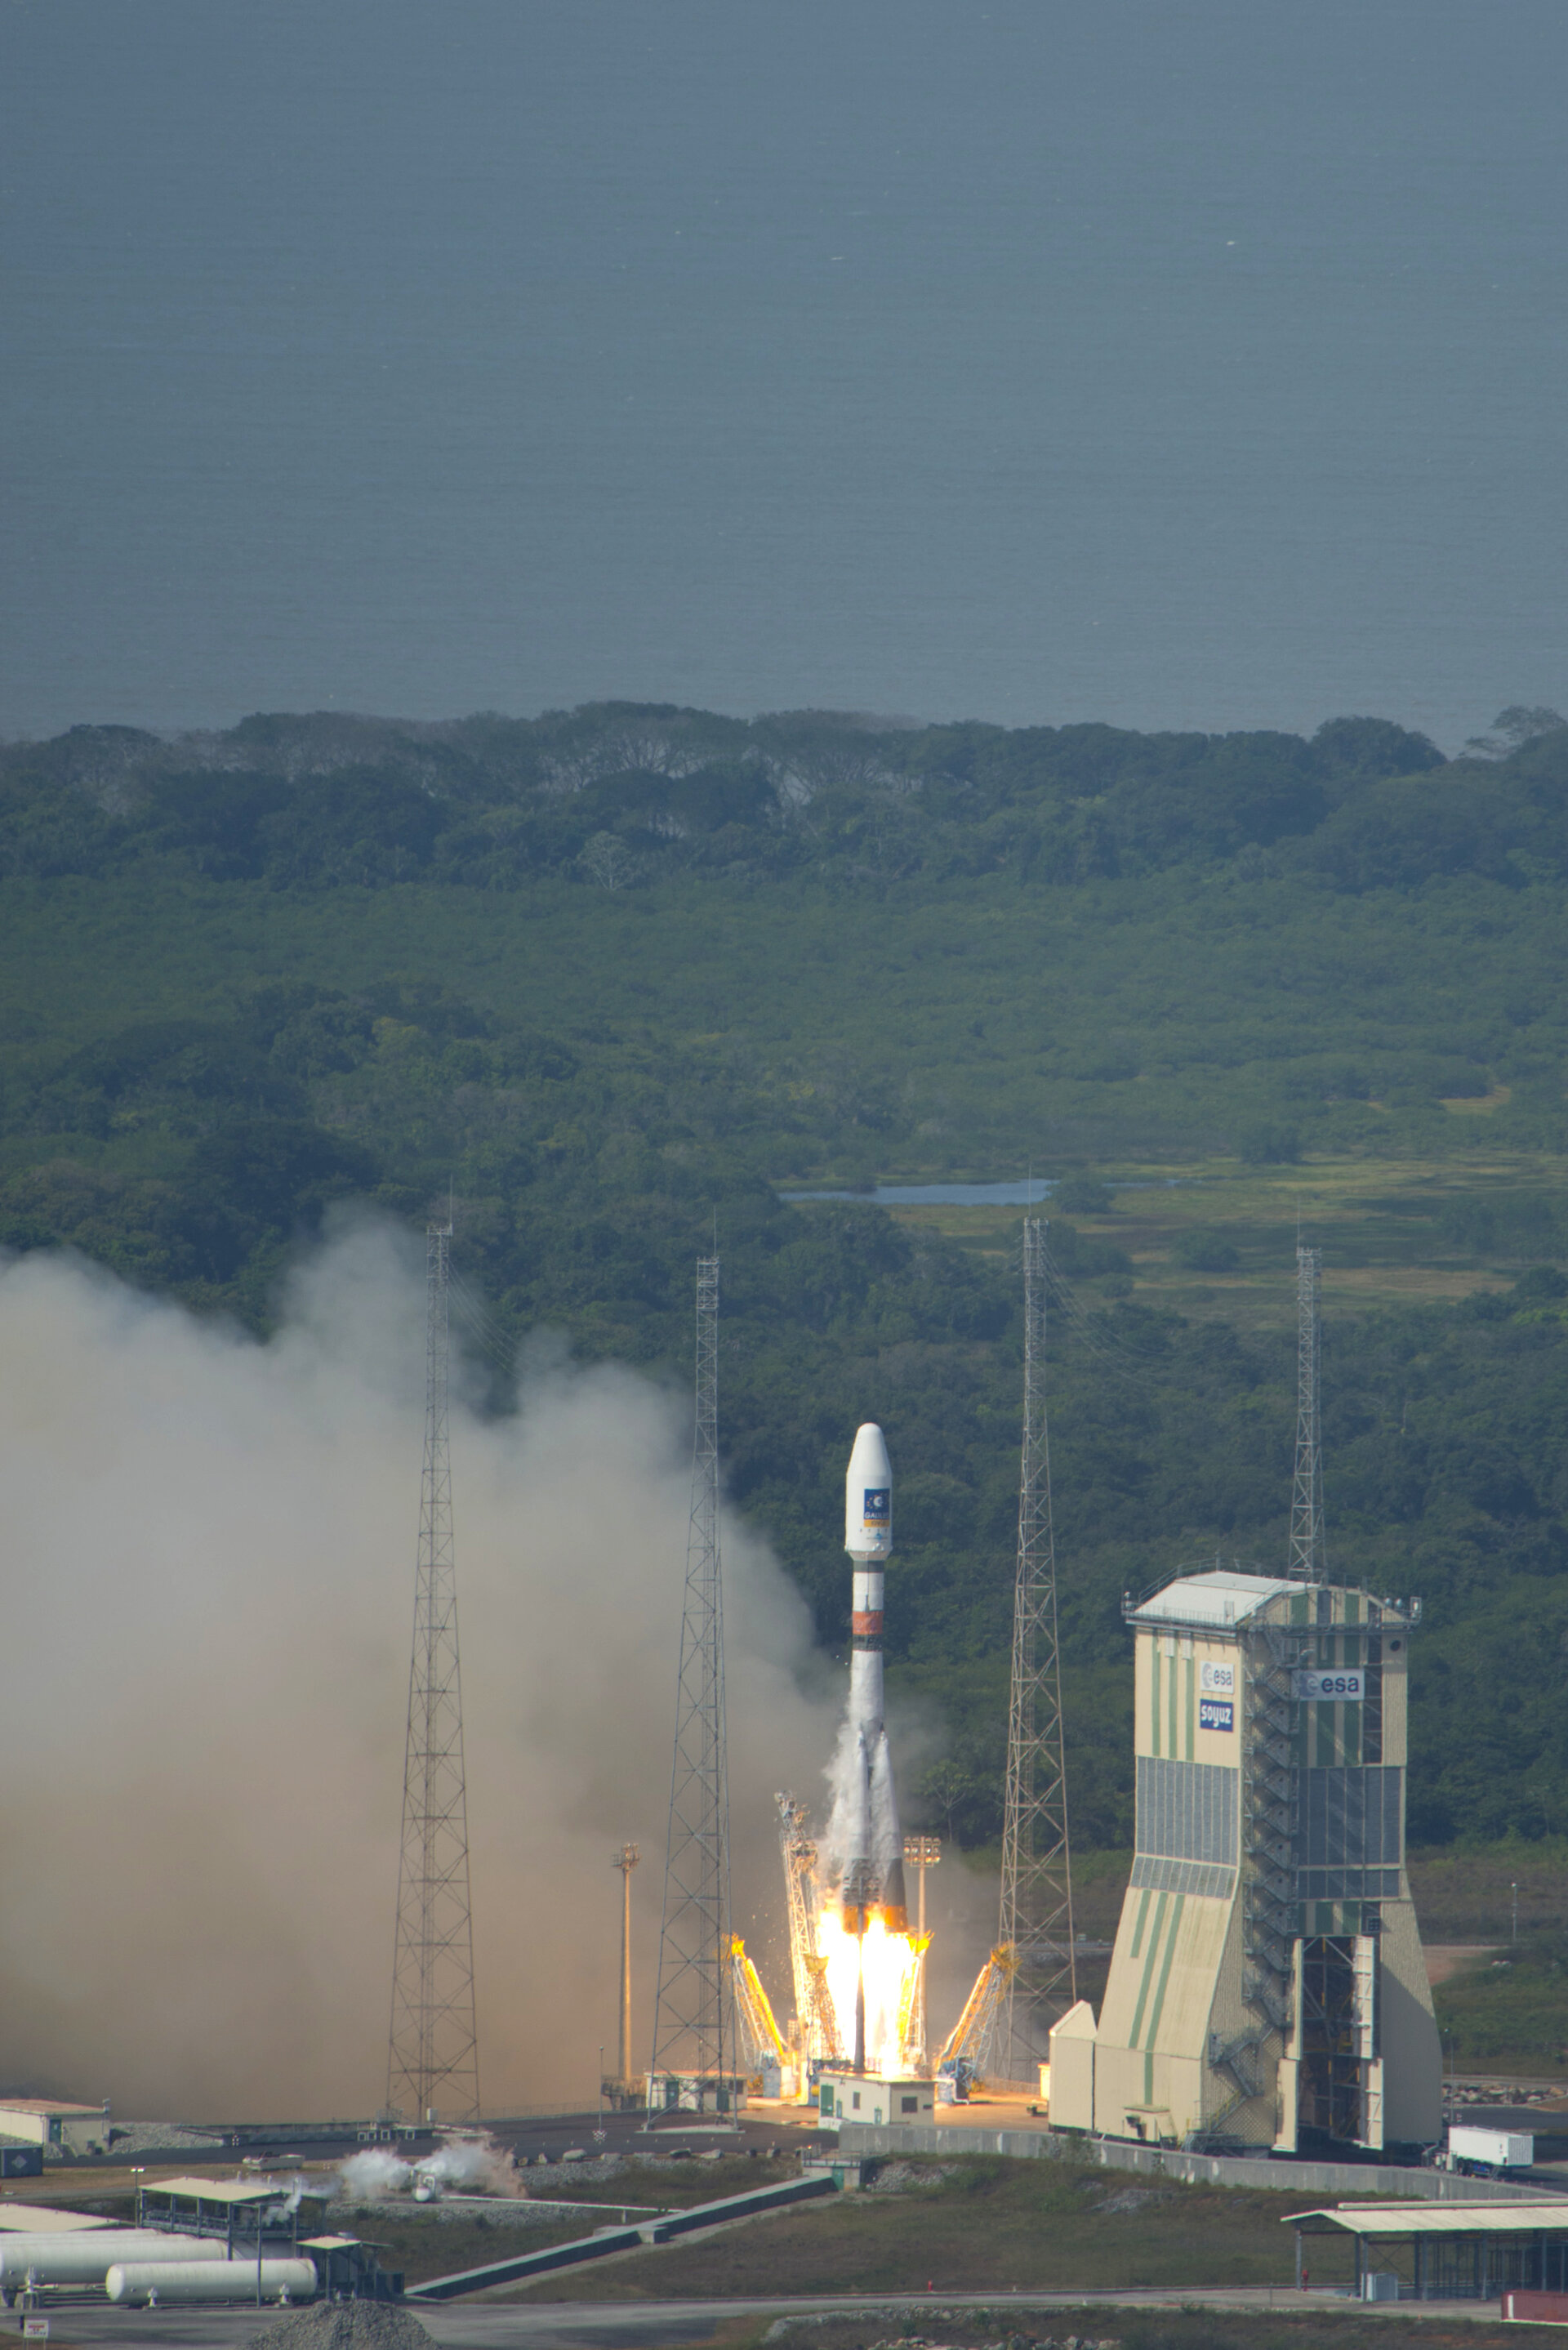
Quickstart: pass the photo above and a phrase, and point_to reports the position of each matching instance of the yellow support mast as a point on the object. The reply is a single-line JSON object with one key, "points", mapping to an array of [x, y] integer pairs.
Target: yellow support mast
{"points": [[970, 2036], [754, 2011]]}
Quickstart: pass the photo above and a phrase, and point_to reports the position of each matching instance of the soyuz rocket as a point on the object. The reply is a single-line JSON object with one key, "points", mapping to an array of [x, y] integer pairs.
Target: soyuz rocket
{"points": [[874, 1859]]}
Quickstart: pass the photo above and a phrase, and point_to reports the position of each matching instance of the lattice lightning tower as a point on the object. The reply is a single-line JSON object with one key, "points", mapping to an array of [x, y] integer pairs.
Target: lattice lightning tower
{"points": [[433, 2064], [693, 2029], [1309, 1549], [1036, 1923]]}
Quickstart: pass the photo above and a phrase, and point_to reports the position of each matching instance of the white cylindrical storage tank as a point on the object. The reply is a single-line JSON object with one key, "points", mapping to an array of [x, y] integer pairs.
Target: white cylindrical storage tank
{"points": [[84, 2255], [136, 2283]]}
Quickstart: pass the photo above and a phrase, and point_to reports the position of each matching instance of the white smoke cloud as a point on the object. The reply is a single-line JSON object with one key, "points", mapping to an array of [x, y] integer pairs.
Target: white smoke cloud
{"points": [[472, 2160], [208, 1550], [373, 2172]]}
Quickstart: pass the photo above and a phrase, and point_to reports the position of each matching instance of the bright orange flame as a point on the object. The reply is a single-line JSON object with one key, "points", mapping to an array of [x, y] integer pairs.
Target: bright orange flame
{"points": [[889, 1960]]}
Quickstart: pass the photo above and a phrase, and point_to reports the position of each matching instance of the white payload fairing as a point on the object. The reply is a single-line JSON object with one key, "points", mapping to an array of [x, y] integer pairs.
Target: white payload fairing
{"points": [[874, 1859]]}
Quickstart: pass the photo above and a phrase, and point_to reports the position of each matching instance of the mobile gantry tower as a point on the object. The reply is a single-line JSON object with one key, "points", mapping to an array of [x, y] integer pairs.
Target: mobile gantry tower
{"points": [[1267, 1986]]}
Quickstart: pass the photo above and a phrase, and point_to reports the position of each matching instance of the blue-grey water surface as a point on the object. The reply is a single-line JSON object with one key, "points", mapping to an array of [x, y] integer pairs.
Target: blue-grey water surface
{"points": [[941, 1195], [1046, 360]]}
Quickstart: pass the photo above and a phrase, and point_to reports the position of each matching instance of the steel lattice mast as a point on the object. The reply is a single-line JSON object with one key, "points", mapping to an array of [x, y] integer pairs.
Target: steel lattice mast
{"points": [[1309, 1548], [691, 2025], [433, 2064], [1037, 1924]]}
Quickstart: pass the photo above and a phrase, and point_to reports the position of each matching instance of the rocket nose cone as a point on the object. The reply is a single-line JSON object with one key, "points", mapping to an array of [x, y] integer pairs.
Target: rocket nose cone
{"points": [[868, 1496]]}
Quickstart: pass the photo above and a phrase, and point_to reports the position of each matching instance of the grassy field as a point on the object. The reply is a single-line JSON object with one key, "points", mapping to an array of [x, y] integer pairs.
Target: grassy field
{"points": [[1506, 2013], [425, 2243], [421, 2245], [976, 2225], [1467, 1896], [1380, 1223], [668, 2185]]}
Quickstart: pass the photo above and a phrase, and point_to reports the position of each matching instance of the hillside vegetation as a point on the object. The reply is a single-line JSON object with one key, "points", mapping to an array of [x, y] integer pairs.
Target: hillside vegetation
{"points": [[615, 972]]}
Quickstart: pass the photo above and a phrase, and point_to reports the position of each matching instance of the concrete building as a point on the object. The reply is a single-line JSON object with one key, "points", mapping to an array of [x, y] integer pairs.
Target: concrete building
{"points": [[695, 2093], [51, 2122], [846, 2095], [1267, 1986]]}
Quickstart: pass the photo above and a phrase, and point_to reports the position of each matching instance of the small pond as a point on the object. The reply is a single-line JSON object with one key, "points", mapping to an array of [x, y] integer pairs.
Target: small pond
{"points": [[1023, 1193]]}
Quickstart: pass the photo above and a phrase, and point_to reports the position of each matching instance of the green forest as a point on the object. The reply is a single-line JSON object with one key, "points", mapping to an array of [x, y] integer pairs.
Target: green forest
{"points": [[623, 973]]}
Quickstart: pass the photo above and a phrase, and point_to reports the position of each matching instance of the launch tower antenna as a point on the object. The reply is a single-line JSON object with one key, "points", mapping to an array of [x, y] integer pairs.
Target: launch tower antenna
{"points": [[432, 2063], [691, 2025], [1309, 1549], [1037, 1879]]}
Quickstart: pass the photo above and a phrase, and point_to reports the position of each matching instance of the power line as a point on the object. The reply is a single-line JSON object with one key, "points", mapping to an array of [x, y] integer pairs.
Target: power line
{"points": [[1096, 1334], [481, 1325]]}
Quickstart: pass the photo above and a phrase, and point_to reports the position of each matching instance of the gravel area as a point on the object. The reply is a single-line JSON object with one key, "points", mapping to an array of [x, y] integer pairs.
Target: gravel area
{"points": [[346, 2325], [452, 2210], [159, 2138], [593, 2165], [901, 2178]]}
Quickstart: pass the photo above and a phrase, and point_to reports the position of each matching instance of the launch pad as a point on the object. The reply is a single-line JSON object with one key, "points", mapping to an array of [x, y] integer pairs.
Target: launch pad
{"points": [[857, 2047]]}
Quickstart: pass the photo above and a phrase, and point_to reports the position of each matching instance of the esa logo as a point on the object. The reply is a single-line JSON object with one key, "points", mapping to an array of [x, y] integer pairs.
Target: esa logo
{"points": [[1216, 1713], [1318, 1689]]}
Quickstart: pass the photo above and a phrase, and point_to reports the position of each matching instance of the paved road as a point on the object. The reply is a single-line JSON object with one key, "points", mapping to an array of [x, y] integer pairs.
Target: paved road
{"points": [[663, 2325]]}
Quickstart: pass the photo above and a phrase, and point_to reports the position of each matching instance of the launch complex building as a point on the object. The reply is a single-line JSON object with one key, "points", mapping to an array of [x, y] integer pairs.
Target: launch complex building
{"points": [[1267, 1986]]}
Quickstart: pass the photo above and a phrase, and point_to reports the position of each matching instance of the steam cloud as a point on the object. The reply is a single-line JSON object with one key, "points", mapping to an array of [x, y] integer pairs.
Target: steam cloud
{"points": [[374, 2172], [208, 1549], [472, 2161]]}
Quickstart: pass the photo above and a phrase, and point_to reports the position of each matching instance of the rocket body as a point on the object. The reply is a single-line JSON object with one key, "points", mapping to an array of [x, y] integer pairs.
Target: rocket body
{"points": [[874, 1866]]}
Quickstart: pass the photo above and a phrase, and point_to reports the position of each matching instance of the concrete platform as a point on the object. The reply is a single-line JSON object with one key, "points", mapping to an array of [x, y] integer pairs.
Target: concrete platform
{"points": [[652, 2325]]}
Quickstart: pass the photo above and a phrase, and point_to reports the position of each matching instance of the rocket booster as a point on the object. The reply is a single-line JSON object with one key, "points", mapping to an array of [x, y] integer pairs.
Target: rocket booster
{"points": [[873, 1871]]}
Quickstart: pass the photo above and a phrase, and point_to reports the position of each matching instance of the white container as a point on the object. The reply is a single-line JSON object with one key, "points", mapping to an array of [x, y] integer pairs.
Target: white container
{"points": [[1505, 2149], [85, 2255], [1380, 2284], [142, 2284]]}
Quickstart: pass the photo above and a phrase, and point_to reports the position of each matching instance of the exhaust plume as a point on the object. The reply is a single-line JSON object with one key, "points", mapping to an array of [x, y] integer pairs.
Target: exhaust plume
{"points": [[208, 1544]]}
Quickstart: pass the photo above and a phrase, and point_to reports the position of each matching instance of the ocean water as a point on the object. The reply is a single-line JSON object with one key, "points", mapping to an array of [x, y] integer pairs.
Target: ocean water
{"points": [[1042, 359]]}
